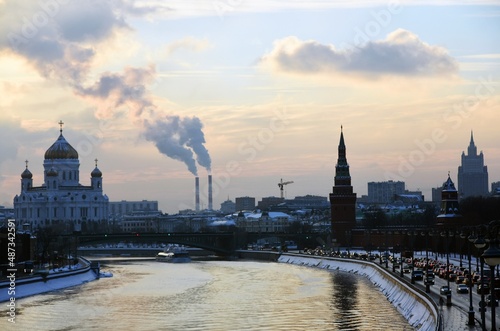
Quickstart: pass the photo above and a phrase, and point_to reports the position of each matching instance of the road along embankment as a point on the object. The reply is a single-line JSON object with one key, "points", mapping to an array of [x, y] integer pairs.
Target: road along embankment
{"points": [[18, 288], [417, 308]]}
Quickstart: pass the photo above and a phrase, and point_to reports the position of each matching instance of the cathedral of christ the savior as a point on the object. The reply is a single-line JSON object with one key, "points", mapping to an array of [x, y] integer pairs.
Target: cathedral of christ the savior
{"points": [[61, 201]]}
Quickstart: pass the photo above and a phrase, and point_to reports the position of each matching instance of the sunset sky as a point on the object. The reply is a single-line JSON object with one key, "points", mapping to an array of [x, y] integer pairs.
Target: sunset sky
{"points": [[251, 91]]}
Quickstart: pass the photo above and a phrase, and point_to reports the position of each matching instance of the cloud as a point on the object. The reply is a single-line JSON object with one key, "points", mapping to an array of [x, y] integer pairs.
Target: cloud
{"points": [[58, 39], [402, 53], [188, 43], [114, 90]]}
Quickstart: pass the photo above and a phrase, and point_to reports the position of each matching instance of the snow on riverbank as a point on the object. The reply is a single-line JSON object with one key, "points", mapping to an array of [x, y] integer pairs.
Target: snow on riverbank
{"points": [[411, 305], [22, 289]]}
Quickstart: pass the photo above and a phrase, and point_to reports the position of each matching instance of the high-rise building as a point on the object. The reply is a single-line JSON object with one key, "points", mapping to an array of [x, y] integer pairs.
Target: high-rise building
{"points": [[61, 200], [342, 199], [472, 174]]}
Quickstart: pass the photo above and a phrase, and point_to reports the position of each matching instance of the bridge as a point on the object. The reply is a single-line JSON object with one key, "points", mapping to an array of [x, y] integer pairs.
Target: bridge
{"points": [[221, 243]]}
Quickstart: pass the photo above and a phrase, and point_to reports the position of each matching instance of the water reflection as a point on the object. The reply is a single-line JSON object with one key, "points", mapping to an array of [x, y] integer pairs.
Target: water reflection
{"points": [[215, 296]]}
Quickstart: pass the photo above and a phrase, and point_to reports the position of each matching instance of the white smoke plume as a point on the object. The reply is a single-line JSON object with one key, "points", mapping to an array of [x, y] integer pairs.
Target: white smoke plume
{"points": [[181, 139]]}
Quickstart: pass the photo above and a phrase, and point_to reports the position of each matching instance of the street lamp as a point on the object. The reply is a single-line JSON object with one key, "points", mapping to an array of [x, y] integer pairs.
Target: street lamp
{"points": [[447, 234], [427, 284], [492, 258], [480, 243], [470, 239]]}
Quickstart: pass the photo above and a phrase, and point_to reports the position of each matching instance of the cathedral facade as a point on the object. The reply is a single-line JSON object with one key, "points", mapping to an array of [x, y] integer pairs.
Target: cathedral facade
{"points": [[61, 201]]}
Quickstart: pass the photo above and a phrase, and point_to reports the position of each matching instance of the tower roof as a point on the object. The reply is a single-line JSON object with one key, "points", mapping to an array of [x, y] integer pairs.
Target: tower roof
{"points": [[26, 173], [61, 149], [448, 185], [96, 172]]}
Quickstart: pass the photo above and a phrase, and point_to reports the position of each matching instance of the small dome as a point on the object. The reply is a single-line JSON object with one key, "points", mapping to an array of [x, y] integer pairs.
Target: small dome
{"points": [[96, 172], [26, 174], [52, 172], [61, 149]]}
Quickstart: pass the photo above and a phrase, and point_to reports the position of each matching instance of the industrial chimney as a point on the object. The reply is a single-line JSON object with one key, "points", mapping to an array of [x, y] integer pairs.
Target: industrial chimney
{"points": [[197, 194], [210, 207]]}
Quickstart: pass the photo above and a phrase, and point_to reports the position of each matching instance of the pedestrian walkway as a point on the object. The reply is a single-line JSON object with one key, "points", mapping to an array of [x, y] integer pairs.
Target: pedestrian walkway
{"points": [[455, 319]]}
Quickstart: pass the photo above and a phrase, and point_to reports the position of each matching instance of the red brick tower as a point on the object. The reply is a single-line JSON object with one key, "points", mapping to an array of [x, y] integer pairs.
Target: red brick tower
{"points": [[342, 199]]}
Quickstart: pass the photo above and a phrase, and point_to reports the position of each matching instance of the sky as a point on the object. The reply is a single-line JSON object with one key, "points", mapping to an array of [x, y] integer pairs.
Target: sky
{"points": [[251, 92]]}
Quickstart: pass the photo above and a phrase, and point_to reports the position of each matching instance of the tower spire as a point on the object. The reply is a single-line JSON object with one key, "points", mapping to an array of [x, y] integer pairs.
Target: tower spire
{"points": [[472, 150]]}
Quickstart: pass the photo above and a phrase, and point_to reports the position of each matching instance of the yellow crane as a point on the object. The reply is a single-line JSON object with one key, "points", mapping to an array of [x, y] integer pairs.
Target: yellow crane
{"points": [[281, 184]]}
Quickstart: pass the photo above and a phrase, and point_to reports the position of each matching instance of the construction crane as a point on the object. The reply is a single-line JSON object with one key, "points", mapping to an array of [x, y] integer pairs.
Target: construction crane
{"points": [[281, 184]]}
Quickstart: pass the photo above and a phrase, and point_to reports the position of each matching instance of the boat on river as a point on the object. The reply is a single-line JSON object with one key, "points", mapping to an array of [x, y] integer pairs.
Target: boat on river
{"points": [[177, 255]]}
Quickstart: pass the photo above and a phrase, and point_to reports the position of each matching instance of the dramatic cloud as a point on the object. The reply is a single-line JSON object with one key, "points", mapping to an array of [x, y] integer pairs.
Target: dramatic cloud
{"points": [[115, 90], [401, 53], [60, 39]]}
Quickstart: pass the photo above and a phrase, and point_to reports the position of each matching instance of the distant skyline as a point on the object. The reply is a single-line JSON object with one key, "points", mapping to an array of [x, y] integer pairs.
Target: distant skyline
{"points": [[249, 91]]}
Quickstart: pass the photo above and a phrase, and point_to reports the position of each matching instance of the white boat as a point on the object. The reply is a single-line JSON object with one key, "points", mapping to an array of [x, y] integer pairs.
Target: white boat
{"points": [[173, 256]]}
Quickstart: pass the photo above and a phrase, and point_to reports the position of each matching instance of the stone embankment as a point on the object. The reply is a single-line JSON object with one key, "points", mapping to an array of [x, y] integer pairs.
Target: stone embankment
{"points": [[53, 280]]}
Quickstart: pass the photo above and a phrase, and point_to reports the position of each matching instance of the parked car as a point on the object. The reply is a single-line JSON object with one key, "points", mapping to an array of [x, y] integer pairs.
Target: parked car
{"points": [[445, 290], [462, 288]]}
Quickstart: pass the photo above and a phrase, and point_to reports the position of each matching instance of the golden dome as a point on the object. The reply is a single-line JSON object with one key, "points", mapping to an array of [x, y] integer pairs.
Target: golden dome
{"points": [[61, 149]]}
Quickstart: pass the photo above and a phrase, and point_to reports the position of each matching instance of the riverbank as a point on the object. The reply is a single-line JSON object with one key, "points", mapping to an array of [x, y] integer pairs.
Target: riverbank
{"points": [[55, 280]]}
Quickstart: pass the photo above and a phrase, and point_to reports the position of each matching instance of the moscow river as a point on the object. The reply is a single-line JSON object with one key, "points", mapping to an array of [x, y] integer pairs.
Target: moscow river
{"points": [[211, 295]]}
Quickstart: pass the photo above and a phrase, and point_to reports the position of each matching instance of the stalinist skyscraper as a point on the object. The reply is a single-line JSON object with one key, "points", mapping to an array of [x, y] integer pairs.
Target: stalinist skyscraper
{"points": [[472, 174]]}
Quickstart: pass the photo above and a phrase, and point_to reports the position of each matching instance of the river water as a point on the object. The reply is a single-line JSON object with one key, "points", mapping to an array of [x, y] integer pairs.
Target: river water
{"points": [[211, 295]]}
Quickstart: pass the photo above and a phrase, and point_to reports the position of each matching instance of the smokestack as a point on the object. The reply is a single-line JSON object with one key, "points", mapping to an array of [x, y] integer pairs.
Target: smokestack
{"points": [[197, 194], [210, 207]]}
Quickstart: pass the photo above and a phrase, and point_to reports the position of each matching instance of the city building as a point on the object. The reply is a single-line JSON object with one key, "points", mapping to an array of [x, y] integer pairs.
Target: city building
{"points": [[436, 195], [342, 199], [313, 202], [268, 202], [61, 200], [264, 222], [228, 207], [245, 203], [495, 188], [126, 207], [472, 174], [384, 192]]}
